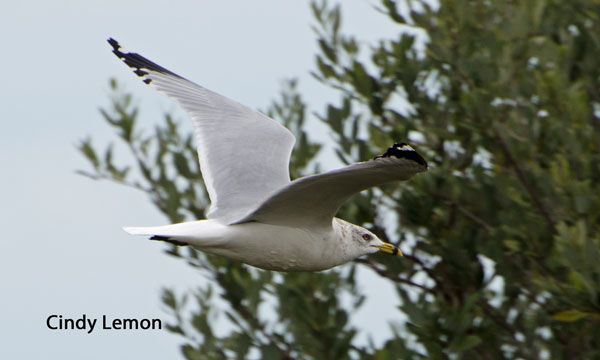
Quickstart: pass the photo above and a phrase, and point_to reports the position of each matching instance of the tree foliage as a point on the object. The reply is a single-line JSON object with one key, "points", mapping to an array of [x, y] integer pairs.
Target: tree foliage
{"points": [[501, 235]]}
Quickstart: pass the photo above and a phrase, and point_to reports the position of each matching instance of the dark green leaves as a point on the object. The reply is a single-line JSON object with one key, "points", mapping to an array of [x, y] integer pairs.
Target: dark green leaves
{"points": [[516, 80]]}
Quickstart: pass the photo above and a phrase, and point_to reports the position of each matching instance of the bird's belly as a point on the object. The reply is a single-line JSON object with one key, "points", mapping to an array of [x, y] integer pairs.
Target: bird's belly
{"points": [[278, 248]]}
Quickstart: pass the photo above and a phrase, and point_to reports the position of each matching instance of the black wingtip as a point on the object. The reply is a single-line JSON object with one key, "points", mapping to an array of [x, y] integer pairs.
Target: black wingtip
{"points": [[116, 48], [140, 65], [403, 151], [168, 239], [114, 43]]}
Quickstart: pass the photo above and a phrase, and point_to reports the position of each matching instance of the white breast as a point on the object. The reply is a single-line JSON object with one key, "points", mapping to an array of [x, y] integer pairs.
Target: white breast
{"points": [[280, 248]]}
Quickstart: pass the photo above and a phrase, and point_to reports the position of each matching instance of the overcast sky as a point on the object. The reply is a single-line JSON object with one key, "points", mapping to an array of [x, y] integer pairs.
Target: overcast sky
{"points": [[62, 249]]}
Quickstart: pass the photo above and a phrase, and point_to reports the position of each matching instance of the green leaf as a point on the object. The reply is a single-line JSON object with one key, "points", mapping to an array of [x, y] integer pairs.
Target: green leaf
{"points": [[464, 343], [362, 80], [513, 245], [569, 315], [327, 50], [191, 353], [175, 329], [168, 298], [181, 164], [326, 70], [85, 147]]}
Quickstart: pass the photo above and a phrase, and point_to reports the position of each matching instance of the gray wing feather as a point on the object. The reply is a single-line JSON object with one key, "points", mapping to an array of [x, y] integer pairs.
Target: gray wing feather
{"points": [[244, 155], [313, 201]]}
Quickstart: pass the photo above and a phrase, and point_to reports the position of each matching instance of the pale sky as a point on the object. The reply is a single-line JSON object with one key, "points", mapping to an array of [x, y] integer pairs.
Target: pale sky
{"points": [[62, 250]]}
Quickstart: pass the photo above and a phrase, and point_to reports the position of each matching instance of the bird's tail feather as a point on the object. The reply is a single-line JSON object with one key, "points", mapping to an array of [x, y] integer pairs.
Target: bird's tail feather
{"points": [[199, 233], [148, 231], [156, 233]]}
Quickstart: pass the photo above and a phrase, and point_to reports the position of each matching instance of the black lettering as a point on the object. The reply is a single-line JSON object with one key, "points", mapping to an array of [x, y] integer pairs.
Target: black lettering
{"points": [[81, 322], [104, 325], [130, 324], [48, 322]]}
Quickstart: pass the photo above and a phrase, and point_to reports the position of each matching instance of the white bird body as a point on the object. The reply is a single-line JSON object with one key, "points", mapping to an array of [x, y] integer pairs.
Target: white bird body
{"points": [[257, 215], [262, 245]]}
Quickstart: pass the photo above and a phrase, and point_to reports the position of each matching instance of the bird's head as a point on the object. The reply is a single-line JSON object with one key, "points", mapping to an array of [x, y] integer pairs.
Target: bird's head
{"points": [[369, 243]]}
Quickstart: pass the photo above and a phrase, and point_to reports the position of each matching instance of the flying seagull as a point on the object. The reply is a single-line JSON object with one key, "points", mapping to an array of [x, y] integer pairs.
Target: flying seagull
{"points": [[257, 215]]}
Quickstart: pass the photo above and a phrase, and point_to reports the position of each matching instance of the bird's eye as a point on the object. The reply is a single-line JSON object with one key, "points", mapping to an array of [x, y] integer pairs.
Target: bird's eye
{"points": [[367, 237]]}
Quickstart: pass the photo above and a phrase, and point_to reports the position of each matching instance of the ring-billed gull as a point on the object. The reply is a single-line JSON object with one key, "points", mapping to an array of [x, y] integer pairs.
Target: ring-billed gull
{"points": [[257, 215]]}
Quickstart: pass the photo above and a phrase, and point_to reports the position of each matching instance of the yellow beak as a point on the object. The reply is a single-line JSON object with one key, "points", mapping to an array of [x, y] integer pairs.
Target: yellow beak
{"points": [[390, 249]]}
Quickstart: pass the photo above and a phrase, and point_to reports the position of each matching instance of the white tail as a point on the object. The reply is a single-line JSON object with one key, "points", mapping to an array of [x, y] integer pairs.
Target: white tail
{"points": [[198, 233], [148, 231]]}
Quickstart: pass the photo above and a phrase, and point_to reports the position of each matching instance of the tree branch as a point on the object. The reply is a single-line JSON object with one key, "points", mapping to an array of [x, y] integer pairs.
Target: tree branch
{"points": [[392, 277]]}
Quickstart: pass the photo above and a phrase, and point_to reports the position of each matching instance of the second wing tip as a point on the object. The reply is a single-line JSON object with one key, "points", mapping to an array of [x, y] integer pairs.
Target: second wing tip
{"points": [[404, 151]]}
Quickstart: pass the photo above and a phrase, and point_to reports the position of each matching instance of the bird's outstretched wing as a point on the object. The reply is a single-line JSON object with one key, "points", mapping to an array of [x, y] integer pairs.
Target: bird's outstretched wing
{"points": [[313, 201], [244, 155]]}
